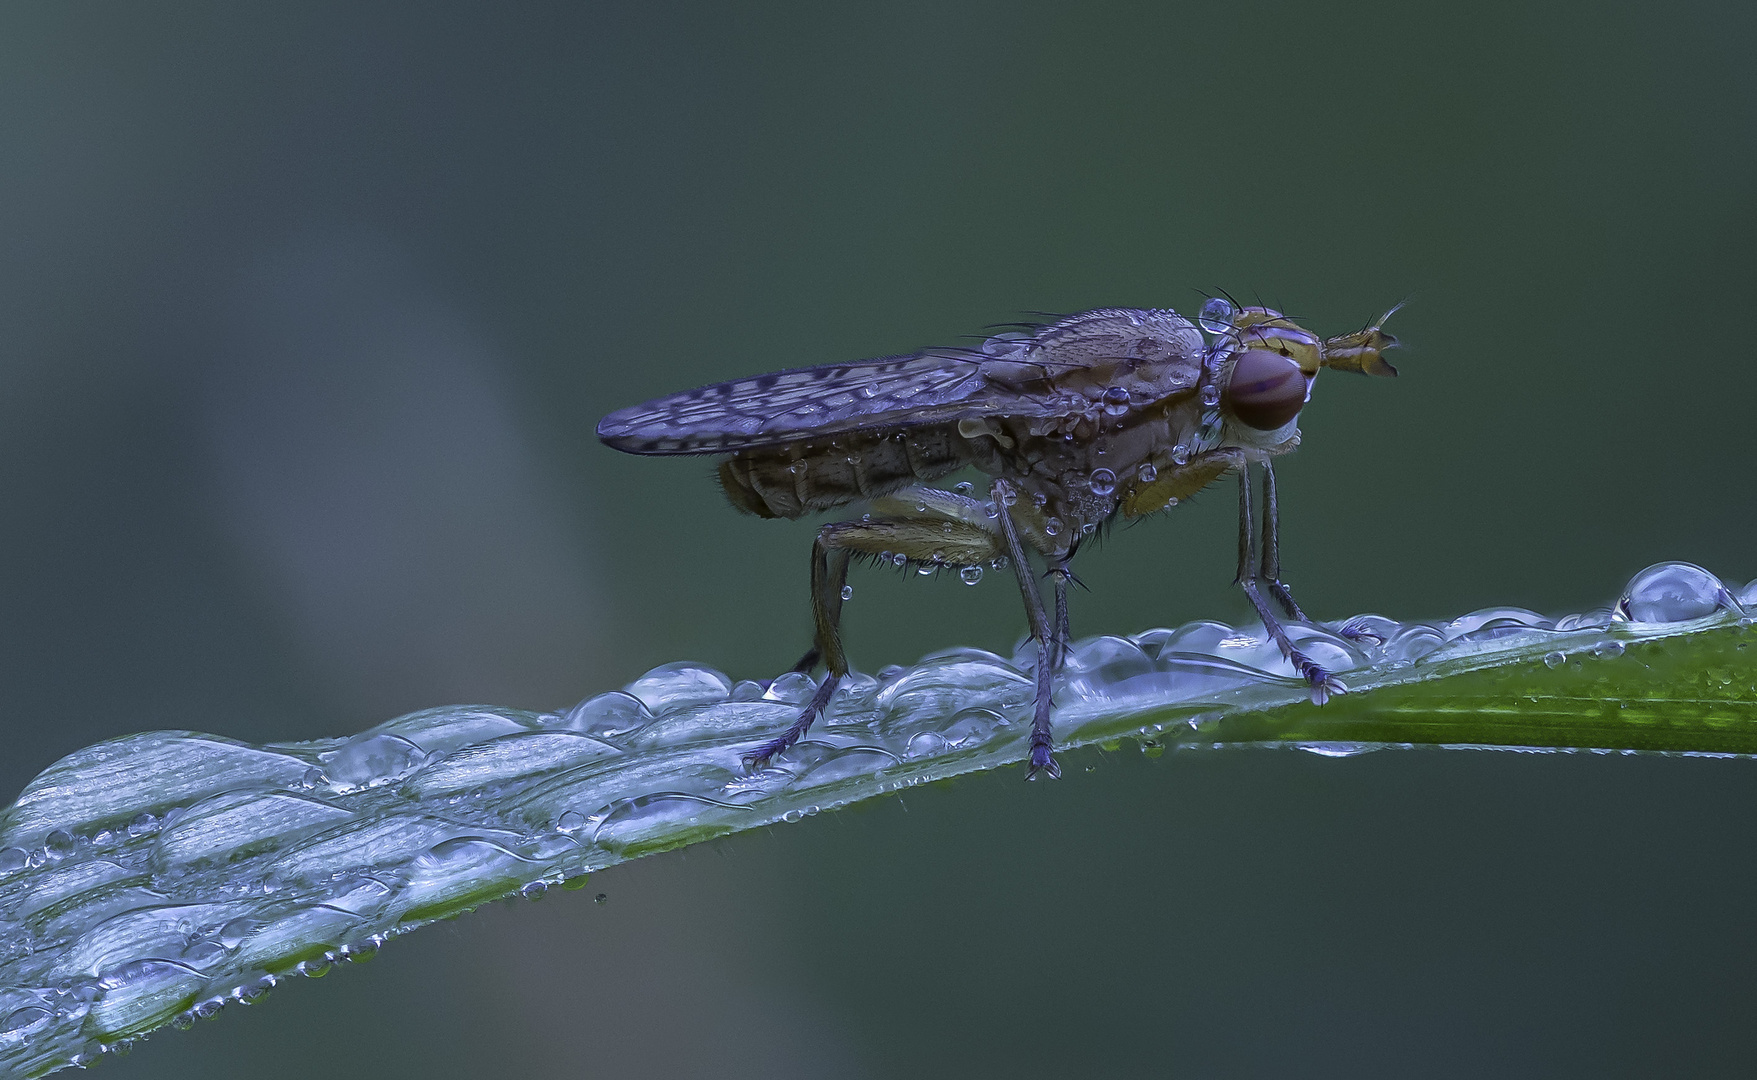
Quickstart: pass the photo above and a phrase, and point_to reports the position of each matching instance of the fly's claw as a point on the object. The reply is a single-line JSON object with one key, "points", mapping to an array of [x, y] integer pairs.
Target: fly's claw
{"points": [[759, 758], [1042, 761], [1358, 631], [1323, 683]]}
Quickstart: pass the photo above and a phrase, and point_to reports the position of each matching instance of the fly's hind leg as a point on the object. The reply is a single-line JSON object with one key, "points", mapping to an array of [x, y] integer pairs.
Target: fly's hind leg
{"points": [[930, 539], [1251, 575], [829, 572]]}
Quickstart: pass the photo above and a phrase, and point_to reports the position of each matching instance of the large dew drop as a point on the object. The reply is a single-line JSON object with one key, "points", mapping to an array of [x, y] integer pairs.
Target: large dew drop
{"points": [[1673, 592]]}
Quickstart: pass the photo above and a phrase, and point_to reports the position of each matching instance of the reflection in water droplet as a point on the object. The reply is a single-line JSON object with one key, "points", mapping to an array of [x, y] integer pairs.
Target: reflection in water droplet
{"points": [[1180, 454], [970, 575], [899, 559], [1052, 527], [1148, 473], [1210, 395], [1553, 659], [847, 592], [1102, 482]]}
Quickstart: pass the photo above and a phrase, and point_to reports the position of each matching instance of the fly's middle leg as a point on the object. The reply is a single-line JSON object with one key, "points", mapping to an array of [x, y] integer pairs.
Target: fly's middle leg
{"points": [[1048, 652], [1251, 576]]}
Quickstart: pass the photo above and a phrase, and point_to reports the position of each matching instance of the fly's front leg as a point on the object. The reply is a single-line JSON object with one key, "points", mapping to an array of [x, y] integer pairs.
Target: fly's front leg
{"points": [[1271, 571], [1250, 575], [1042, 738], [829, 572]]}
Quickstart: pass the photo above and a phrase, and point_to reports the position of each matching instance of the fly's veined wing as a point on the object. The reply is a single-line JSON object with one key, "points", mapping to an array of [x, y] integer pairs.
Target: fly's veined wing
{"points": [[1011, 375]]}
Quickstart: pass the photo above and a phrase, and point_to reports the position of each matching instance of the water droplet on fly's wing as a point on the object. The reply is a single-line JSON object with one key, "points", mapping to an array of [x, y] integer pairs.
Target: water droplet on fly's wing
{"points": [[1216, 315], [1102, 482], [1147, 474], [847, 592], [1672, 592], [970, 575]]}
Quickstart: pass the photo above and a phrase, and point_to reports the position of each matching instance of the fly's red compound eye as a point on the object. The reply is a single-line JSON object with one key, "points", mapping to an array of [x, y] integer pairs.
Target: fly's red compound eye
{"points": [[1267, 389]]}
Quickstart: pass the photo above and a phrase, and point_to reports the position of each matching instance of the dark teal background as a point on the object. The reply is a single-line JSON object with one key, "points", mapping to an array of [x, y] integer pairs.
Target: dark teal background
{"points": [[307, 313]]}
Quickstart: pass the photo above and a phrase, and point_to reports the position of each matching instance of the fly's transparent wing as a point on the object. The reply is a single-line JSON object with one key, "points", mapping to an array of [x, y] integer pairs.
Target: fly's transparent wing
{"points": [[1010, 375]]}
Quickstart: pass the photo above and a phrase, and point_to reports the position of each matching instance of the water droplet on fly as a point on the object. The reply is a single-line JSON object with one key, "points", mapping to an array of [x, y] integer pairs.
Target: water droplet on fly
{"points": [[964, 488], [899, 559], [1210, 394], [1052, 527], [970, 575], [925, 569], [1102, 482], [1180, 454], [1116, 401], [1148, 474], [847, 592], [1216, 315]]}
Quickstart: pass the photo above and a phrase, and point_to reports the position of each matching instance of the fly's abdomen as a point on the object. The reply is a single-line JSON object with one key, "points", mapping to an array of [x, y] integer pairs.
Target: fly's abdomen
{"points": [[792, 481]]}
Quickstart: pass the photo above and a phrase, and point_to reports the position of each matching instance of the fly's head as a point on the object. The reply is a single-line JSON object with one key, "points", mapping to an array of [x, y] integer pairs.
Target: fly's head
{"points": [[1266, 369]]}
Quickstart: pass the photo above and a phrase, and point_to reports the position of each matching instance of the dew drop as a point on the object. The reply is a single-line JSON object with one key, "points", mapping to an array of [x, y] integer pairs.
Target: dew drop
{"points": [[58, 845], [600, 898], [1672, 592], [1608, 649], [847, 592], [1116, 401], [1553, 659], [1148, 474], [970, 575], [1102, 482], [1216, 315], [1052, 527], [899, 559], [1180, 454], [964, 488], [925, 569], [1210, 395], [13, 859]]}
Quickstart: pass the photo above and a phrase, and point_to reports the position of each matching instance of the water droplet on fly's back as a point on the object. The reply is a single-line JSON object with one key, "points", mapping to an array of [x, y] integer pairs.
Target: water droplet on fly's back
{"points": [[847, 592], [1216, 315], [1210, 395], [1116, 401], [1147, 474], [1052, 527], [970, 575], [1102, 482]]}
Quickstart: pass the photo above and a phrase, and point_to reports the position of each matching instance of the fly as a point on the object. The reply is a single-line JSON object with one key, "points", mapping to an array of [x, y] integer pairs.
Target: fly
{"points": [[1117, 411]]}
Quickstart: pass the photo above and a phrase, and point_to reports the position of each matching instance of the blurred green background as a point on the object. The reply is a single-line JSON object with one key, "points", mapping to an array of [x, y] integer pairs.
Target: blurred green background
{"points": [[307, 313]]}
